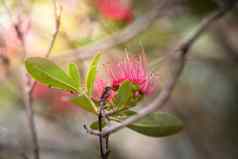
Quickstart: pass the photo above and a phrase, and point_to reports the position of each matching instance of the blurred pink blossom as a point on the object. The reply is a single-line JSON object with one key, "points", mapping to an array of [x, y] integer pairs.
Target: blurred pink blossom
{"points": [[15, 32], [56, 99], [115, 10], [132, 69]]}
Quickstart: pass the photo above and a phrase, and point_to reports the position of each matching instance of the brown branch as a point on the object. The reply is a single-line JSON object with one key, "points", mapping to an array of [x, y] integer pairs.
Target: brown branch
{"points": [[103, 150], [57, 14], [16, 23], [30, 116], [29, 97], [177, 59], [27, 92], [138, 26]]}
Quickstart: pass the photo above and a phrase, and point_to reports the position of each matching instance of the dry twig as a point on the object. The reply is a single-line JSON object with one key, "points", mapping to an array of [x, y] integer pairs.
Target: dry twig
{"points": [[29, 92]]}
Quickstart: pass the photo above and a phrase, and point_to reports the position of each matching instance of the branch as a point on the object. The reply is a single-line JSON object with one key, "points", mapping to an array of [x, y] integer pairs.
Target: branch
{"points": [[27, 94], [26, 87], [28, 97], [103, 150], [30, 117], [178, 59], [138, 26], [57, 14]]}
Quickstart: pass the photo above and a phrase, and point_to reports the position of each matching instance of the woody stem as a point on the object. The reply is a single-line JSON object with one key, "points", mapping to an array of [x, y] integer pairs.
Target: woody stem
{"points": [[103, 150]]}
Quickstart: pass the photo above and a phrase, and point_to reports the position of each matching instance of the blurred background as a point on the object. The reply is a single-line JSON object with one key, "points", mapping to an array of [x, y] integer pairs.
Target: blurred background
{"points": [[205, 97]]}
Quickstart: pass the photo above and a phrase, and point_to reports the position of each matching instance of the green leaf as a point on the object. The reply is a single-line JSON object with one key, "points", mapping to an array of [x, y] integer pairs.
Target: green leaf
{"points": [[90, 78], [129, 113], [122, 115], [84, 102], [94, 125], [74, 73], [124, 94], [91, 74], [158, 124], [49, 73]]}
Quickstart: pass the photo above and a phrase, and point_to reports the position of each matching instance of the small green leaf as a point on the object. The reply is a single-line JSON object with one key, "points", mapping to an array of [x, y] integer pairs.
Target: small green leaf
{"points": [[84, 102], [124, 94], [158, 124], [95, 60], [47, 72], [122, 115], [74, 73], [90, 78], [129, 113], [94, 125], [91, 74]]}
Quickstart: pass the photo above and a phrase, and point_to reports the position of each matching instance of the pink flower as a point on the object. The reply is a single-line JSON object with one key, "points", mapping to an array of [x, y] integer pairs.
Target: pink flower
{"points": [[99, 86], [131, 69], [115, 10]]}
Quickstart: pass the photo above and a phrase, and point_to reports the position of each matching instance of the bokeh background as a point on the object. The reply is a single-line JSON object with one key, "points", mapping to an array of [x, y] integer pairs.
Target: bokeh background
{"points": [[205, 97]]}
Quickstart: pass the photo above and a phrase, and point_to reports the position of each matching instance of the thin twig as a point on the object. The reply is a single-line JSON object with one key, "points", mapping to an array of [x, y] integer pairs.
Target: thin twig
{"points": [[100, 129], [178, 59], [30, 116], [28, 99], [57, 14], [107, 146], [29, 96], [16, 23]]}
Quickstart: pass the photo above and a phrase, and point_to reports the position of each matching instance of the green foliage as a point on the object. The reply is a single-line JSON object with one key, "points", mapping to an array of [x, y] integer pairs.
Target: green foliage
{"points": [[122, 115], [94, 125], [91, 74], [128, 113], [84, 102], [111, 26], [47, 72], [117, 117], [124, 94], [158, 124], [126, 97], [74, 74]]}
